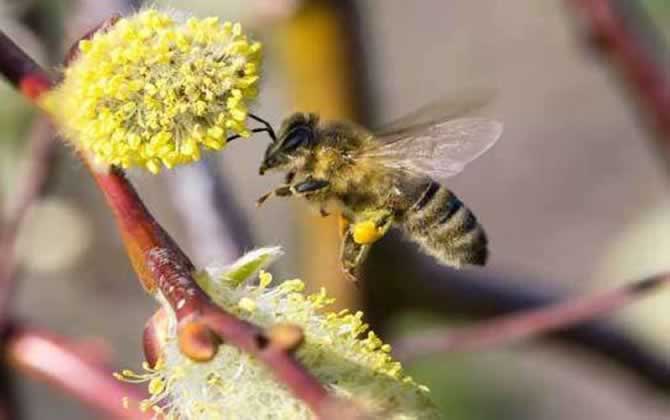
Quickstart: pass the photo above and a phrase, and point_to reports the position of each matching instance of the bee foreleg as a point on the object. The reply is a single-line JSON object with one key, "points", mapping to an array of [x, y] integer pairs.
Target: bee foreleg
{"points": [[301, 188], [290, 176], [352, 255], [309, 186], [283, 191]]}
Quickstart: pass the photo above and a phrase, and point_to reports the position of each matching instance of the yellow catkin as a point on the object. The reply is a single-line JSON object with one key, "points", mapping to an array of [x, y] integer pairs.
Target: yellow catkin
{"points": [[338, 348], [153, 91]]}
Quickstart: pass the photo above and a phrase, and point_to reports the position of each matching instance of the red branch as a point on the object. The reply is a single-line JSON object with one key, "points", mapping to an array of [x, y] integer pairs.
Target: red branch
{"points": [[524, 325], [21, 70], [631, 54], [141, 232], [193, 306], [54, 359], [163, 267]]}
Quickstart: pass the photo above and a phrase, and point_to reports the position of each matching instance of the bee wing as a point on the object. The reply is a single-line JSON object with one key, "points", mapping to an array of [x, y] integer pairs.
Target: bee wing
{"points": [[456, 104], [438, 150]]}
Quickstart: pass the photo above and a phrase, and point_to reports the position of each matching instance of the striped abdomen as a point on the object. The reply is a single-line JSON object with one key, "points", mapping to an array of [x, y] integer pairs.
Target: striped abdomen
{"points": [[445, 228]]}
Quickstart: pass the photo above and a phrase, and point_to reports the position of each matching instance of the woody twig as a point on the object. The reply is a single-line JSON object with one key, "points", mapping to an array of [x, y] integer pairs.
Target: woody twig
{"points": [[164, 268]]}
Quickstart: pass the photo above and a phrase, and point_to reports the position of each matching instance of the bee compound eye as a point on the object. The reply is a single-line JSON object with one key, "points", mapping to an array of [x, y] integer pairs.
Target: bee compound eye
{"points": [[299, 136]]}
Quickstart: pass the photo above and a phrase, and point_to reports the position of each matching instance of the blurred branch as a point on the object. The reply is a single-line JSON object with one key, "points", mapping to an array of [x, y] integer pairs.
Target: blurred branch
{"points": [[9, 399], [526, 324], [21, 71], [622, 31], [39, 165], [40, 153], [58, 361], [413, 282], [216, 226], [40, 159]]}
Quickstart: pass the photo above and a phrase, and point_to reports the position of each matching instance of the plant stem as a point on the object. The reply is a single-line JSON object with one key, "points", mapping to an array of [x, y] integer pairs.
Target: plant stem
{"points": [[526, 324], [21, 71], [48, 357], [162, 267], [636, 52]]}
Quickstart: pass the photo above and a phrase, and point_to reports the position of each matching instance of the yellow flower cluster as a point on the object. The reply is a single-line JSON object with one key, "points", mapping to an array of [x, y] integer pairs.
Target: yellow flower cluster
{"points": [[152, 91], [338, 349]]}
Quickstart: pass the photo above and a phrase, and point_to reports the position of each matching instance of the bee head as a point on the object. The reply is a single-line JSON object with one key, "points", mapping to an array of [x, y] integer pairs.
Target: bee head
{"points": [[295, 136]]}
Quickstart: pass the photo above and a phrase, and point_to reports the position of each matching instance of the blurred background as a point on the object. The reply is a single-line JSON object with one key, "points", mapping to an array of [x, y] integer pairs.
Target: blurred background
{"points": [[574, 196]]}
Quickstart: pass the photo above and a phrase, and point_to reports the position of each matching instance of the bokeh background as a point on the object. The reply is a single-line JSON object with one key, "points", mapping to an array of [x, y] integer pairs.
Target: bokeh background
{"points": [[573, 197]]}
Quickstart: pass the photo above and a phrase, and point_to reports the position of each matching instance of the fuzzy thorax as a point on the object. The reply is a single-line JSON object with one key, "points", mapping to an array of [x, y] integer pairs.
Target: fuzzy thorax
{"points": [[152, 91]]}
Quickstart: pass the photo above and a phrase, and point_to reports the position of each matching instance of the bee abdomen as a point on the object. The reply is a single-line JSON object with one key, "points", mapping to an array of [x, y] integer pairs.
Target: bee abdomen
{"points": [[445, 228]]}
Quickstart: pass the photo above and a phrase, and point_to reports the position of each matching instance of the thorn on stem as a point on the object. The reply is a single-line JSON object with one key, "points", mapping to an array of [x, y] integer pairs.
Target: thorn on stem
{"points": [[198, 342], [262, 341], [154, 336], [287, 337]]}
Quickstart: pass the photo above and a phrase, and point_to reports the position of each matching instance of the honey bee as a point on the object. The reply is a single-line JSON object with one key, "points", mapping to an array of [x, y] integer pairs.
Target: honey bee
{"points": [[389, 178]]}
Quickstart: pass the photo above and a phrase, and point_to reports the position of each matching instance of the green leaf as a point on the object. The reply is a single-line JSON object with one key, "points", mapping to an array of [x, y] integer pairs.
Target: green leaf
{"points": [[249, 265]]}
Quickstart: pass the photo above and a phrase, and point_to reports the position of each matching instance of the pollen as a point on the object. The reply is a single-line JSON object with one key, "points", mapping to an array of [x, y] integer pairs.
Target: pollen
{"points": [[366, 232], [247, 304], [156, 386], [154, 92], [338, 348]]}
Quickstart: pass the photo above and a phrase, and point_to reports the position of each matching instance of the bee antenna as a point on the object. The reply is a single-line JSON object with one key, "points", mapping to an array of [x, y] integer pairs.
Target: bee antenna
{"points": [[268, 128]]}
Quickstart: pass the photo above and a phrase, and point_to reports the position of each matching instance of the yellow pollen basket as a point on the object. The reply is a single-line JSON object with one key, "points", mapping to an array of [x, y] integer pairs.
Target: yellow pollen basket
{"points": [[367, 232]]}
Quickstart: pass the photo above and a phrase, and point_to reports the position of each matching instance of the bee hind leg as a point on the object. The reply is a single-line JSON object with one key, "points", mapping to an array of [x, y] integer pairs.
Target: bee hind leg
{"points": [[352, 255], [358, 238]]}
